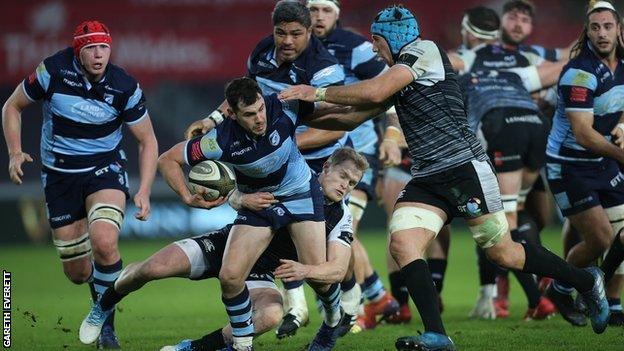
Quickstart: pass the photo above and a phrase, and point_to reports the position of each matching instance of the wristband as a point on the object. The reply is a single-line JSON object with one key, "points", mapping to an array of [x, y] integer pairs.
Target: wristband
{"points": [[620, 126], [319, 94], [217, 117], [393, 134]]}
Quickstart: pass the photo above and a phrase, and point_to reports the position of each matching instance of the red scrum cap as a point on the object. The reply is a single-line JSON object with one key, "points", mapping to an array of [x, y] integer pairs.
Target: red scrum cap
{"points": [[90, 32]]}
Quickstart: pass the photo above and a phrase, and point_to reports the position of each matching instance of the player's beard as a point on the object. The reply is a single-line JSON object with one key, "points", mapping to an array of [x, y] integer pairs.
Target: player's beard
{"points": [[507, 39]]}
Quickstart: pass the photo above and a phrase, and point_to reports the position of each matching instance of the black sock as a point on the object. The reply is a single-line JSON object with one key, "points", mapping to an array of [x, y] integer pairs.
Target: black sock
{"points": [[487, 269], [423, 293], [526, 280], [614, 258], [437, 266], [546, 264], [348, 284], [398, 288], [209, 342], [529, 285], [528, 228], [110, 298]]}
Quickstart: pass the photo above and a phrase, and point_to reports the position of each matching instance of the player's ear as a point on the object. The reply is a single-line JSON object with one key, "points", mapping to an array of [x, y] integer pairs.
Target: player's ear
{"points": [[231, 113]]}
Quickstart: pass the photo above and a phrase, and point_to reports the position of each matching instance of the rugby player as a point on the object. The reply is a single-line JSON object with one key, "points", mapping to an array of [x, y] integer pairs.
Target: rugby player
{"points": [[86, 102], [583, 164], [359, 62], [200, 257], [451, 174]]}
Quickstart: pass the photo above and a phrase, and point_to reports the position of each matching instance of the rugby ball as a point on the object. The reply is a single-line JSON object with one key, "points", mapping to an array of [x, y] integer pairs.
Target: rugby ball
{"points": [[214, 176]]}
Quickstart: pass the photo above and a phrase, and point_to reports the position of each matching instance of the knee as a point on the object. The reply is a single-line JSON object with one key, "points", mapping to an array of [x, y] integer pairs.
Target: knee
{"points": [[273, 316], [230, 278], [78, 273], [105, 248]]}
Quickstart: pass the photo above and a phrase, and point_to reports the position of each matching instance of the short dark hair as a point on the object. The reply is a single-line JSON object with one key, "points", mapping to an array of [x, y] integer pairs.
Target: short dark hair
{"points": [[524, 6], [291, 11], [244, 90], [483, 18]]}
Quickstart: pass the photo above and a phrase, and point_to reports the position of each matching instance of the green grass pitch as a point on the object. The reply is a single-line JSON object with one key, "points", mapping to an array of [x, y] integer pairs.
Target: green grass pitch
{"points": [[47, 308]]}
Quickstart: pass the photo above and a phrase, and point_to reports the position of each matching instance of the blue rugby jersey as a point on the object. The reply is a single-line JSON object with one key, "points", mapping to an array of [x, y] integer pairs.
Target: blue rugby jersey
{"points": [[355, 55], [492, 83], [315, 66], [270, 163], [82, 121], [586, 85]]}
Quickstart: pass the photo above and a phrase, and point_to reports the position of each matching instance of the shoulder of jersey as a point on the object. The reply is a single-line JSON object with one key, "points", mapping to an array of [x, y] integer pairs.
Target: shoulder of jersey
{"points": [[261, 47], [62, 59], [349, 38], [319, 51], [120, 79]]}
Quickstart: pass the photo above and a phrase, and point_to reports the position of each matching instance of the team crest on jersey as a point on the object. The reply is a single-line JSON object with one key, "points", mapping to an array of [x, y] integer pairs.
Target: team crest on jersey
{"points": [[109, 98], [274, 138], [279, 211]]}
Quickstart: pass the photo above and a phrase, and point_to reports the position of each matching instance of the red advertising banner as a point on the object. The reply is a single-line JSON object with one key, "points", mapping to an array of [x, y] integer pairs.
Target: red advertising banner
{"points": [[200, 40]]}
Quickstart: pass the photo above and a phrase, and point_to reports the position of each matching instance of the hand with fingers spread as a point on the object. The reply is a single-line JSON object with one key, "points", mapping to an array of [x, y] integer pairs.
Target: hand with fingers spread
{"points": [[301, 92], [290, 271], [15, 166]]}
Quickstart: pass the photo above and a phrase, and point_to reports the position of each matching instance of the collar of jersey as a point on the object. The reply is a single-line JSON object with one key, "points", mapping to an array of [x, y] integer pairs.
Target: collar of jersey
{"points": [[88, 84]]}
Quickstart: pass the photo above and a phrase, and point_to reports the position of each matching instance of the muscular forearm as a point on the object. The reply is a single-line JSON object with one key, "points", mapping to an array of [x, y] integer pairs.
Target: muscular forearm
{"points": [[148, 158], [172, 172], [12, 128], [345, 119], [595, 142], [326, 273], [354, 95], [314, 138]]}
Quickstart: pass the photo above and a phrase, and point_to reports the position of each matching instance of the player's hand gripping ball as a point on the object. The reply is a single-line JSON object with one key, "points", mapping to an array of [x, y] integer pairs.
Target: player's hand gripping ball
{"points": [[211, 179]]}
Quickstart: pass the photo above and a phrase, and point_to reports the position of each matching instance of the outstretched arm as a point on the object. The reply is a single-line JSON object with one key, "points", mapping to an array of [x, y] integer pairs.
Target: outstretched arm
{"points": [[368, 92], [338, 117]]}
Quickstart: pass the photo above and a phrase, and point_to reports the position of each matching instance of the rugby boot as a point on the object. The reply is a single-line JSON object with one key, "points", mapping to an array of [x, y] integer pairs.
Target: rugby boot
{"points": [[108, 339], [565, 306], [403, 316], [91, 326], [544, 310], [428, 341], [291, 323], [502, 292], [347, 321], [184, 345], [596, 300], [325, 338], [378, 311]]}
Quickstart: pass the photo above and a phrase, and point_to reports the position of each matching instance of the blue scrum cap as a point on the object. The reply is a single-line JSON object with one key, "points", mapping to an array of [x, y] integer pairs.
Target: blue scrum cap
{"points": [[397, 25]]}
